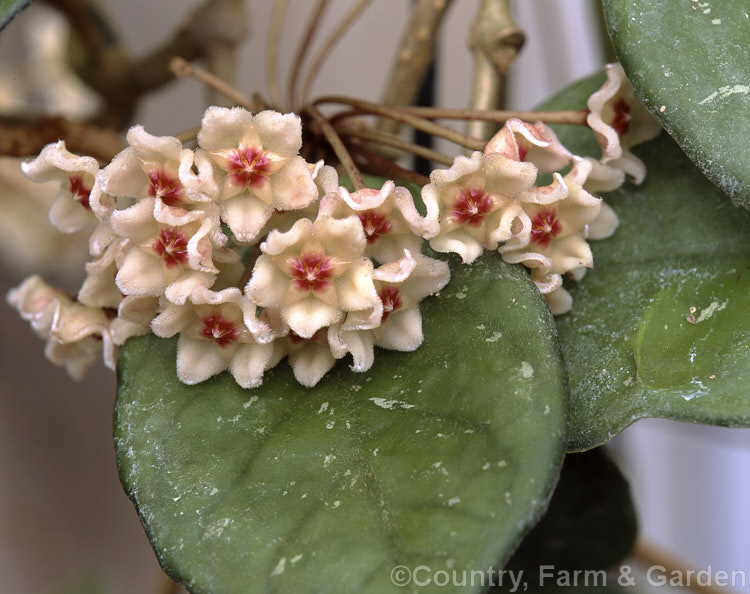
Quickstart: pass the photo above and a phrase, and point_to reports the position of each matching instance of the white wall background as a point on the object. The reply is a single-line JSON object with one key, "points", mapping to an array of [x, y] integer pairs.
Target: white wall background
{"points": [[62, 512]]}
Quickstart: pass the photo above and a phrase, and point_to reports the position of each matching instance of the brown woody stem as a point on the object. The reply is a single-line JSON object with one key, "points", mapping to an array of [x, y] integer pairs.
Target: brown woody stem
{"points": [[379, 165], [574, 117], [183, 68], [396, 142], [398, 115], [338, 147], [272, 53]]}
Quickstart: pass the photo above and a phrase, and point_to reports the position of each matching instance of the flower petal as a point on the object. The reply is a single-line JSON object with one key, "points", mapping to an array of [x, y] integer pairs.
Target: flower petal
{"points": [[279, 133], [245, 215], [141, 274], [197, 360], [268, 285], [402, 331], [605, 224], [222, 127], [311, 363], [249, 363], [307, 316], [293, 186], [559, 301], [459, 242]]}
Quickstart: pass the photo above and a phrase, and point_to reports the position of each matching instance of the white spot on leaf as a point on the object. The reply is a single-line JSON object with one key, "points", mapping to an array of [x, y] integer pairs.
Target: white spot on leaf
{"points": [[280, 566], [389, 404]]}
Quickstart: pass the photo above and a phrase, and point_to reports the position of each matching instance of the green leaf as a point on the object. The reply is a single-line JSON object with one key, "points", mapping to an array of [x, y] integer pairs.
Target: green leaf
{"points": [[690, 64], [443, 457], [9, 10], [590, 523], [630, 349]]}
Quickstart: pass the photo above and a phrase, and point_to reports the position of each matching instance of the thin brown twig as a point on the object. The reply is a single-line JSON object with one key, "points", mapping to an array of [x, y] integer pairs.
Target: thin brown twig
{"points": [[330, 43], [303, 48], [222, 59], [575, 117], [397, 142], [408, 119], [572, 117], [379, 165], [182, 68], [338, 147], [272, 52]]}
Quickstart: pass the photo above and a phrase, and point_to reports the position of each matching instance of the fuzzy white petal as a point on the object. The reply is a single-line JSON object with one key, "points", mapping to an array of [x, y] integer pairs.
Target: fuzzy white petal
{"points": [[249, 362], [459, 242], [402, 331], [306, 316], [311, 363], [280, 133], [605, 224], [246, 216], [141, 274], [197, 360]]}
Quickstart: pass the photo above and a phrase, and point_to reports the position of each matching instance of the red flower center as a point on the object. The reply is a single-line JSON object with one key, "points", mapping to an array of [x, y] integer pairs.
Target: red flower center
{"points": [[164, 186], [171, 246], [249, 166], [217, 328], [375, 225], [471, 206], [391, 301], [311, 272], [545, 226], [621, 117], [81, 192]]}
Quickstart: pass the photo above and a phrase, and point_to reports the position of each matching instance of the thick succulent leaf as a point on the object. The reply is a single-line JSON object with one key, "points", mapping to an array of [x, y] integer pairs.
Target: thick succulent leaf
{"points": [[9, 9], [690, 64], [631, 350], [443, 457], [590, 523]]}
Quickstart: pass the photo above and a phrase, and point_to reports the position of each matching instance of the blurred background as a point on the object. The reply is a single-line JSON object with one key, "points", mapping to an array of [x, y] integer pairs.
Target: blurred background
{"points": [[65, 523]]}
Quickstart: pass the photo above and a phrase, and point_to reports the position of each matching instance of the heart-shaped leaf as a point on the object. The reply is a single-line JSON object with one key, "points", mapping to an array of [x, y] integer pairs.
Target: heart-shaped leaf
{"points": [[690, 64], [9, 9], [661, 326], [442, 458]]}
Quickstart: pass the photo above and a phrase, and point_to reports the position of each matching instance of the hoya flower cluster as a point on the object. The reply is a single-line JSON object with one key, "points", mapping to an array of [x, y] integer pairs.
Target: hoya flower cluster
{"points": [[252, 255]]}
